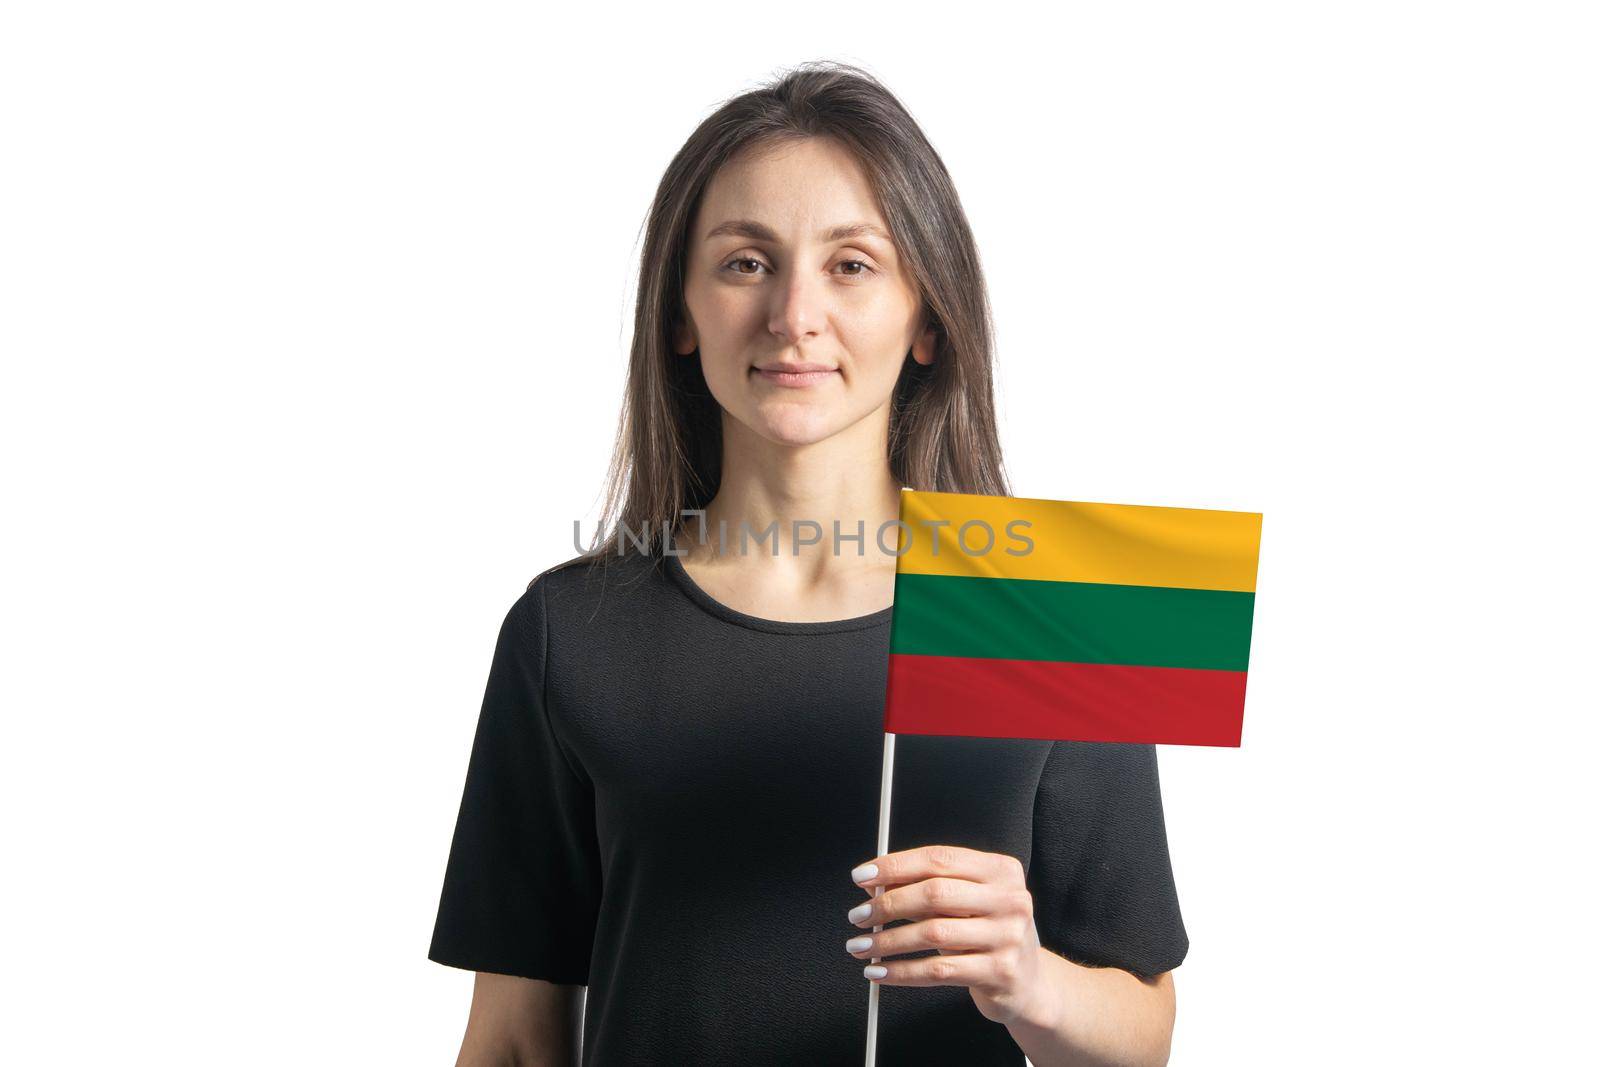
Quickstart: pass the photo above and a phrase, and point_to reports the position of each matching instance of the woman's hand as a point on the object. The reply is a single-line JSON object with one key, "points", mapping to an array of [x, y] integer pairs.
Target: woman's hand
{"points": [[975, 908]]}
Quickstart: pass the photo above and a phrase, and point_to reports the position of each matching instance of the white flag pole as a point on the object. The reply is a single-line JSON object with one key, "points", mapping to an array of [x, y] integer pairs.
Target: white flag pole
{"points": [[883, 847]]}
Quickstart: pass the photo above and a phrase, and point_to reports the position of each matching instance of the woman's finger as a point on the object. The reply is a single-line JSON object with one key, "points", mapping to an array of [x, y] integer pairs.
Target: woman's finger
{"points": [[941, 932], [941, 896], [939, 861], [963, 969]]}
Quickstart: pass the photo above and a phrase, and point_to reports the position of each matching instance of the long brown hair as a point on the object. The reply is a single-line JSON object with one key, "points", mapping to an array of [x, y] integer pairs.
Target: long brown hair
{"points": [[942, 436]]}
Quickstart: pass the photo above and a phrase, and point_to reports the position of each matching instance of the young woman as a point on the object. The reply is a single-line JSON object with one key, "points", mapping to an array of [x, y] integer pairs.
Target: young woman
{"points": [[672, 795]]}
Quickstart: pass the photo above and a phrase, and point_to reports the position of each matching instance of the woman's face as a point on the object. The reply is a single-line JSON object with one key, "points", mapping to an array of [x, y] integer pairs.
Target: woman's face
{"points": [[796, 297]]}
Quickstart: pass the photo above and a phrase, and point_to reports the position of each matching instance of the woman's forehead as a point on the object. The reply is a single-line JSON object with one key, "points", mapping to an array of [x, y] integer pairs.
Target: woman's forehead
{"points": [[811, 191]]}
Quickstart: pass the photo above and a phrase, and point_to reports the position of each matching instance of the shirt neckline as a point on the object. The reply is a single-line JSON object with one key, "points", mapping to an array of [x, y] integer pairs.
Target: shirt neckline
{"points": [[722, 611]]}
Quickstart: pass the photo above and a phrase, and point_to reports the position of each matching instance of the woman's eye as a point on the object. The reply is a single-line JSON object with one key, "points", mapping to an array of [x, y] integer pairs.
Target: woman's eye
{"points": [[737, 267]]}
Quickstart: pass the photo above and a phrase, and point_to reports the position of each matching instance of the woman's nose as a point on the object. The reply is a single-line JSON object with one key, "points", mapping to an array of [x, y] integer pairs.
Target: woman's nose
{"points": [[799, 307]]}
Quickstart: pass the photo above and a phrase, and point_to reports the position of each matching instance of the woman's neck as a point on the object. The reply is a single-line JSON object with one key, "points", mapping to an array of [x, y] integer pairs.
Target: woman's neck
{"points": [[807, 492], [770, 546]]}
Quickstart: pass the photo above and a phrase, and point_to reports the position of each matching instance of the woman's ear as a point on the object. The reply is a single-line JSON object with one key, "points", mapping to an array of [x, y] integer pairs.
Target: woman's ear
{"points": [[922, 347], [683, 339]]}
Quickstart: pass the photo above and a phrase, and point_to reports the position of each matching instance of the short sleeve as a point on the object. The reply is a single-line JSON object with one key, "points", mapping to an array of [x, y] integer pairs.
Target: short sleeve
{"points": [[522, 884], [1100, 873]]}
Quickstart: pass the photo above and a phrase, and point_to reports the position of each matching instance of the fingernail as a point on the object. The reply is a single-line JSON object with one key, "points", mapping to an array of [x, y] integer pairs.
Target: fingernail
{"points": [[865, 871], [859, 912], [858, 944], [872, 970]]}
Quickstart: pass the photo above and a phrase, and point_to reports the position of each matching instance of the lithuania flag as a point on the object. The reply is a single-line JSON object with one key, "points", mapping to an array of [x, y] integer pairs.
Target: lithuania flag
{"points": [[1070, 621]]}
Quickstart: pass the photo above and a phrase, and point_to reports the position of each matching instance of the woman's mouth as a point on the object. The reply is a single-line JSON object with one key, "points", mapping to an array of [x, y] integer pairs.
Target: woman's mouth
{"points": [[809, 374]]}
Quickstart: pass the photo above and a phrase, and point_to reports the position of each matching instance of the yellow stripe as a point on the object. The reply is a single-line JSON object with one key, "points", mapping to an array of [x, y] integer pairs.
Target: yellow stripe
{"points": [[1073, 541]]}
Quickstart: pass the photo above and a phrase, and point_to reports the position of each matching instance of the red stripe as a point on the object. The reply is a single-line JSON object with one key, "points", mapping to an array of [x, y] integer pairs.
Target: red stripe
{"points": [[959, 696]]}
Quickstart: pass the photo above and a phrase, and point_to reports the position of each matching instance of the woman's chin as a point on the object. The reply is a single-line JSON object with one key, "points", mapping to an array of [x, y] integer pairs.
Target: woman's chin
{"points": [[798, 428]]}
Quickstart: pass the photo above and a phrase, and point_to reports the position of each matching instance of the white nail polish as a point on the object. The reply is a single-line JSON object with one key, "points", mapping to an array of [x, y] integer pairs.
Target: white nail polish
{"points": [[865, 871], [859, 912], [858, 944], [872, 970]]}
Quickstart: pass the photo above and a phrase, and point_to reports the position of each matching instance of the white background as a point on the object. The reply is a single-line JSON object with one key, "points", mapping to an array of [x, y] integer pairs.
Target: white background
{"points": [[314, 326]]}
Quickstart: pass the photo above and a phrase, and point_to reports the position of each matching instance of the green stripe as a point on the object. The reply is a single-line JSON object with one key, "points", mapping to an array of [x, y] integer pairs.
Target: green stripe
{"points": [[1071, 622]]}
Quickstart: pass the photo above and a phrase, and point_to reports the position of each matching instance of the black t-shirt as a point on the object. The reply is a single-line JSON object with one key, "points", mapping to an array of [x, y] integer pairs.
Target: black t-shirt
{"points": [[665, 798]]}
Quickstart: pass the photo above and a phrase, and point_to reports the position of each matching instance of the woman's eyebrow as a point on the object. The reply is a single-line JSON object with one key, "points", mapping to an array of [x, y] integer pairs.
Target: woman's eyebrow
{"points": [[755, 231]]}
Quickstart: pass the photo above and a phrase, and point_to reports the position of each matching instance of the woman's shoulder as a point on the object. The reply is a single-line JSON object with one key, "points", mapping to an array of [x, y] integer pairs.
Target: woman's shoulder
{"points": [[593, 585], [591, 567]]}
